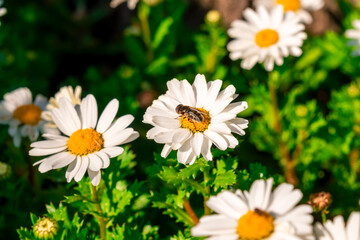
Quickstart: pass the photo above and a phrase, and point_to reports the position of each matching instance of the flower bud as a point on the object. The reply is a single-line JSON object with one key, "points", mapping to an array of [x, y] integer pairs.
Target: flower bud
{"points": [[320, 201], [5, 170], [45, 228]]}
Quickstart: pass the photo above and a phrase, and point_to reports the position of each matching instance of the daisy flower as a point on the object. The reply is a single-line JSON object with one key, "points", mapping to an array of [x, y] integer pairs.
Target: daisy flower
{"points": [[130, 3], [22, 114], [190, 118], [84, 147], [73, 95], [354, 35], [336, 230], [258, 214], [265, 36], [300, 7]]}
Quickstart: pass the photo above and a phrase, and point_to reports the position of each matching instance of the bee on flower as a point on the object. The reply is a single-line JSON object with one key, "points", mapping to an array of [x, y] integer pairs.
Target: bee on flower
{"points": [[258, 214], [301, 8], [73, 95], [265, 37], [85, 143], [22, 114], [191, 118]]}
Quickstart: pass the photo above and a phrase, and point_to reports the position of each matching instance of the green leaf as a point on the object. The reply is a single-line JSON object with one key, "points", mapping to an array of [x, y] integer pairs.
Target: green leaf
{"points": [[162, 31]]}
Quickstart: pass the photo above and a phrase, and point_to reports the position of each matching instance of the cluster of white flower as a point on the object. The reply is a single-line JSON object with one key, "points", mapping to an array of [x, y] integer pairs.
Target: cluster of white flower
{"points": [[190, 119]]}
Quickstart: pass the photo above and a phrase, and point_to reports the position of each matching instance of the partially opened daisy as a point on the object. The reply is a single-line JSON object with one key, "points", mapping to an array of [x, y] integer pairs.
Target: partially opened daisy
{"points": [[265, 37], [258, 214], [336, 229], [191, 118], [22, 114], [130, 3], [354, 35], [73, 95], [87, 144], [300, 7]]}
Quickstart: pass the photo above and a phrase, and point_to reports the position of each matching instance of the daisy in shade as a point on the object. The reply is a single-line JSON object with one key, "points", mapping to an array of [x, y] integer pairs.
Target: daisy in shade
{"points": [[191, 118], [87, 143], [336, 230], [22, 114], [258, 214], [354, 35], [300, 7], [130, 3], [73, 95], [265, 37]]}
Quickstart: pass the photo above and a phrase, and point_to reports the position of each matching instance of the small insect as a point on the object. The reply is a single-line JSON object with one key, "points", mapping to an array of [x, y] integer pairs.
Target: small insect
{"points": [[190, 112], [259, 212]]}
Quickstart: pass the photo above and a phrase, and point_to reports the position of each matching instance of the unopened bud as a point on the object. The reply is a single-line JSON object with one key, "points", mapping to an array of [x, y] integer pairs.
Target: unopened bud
{"points": [[45, 228], [5, 170], [320, 201], [213, 17]]}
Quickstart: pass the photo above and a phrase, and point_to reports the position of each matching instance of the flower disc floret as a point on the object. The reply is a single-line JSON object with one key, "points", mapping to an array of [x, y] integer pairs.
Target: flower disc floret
{"points": [[85, 141], [29, 114], [194, 126], [266, 38], [290, 5], [255, 225]]}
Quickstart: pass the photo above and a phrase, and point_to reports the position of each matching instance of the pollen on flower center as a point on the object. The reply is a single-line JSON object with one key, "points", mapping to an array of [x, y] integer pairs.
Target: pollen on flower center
{"points": [[29, 114], [255, 225], [194, 126], [85, 141], [266, 38], [289, 5]]}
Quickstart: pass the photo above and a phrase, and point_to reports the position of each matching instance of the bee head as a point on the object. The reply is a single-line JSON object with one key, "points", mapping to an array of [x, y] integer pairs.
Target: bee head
{"points": [[179, 109]]}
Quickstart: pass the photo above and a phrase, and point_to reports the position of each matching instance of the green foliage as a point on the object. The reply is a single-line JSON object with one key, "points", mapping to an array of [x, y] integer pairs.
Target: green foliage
{"points": [[305, 113]]}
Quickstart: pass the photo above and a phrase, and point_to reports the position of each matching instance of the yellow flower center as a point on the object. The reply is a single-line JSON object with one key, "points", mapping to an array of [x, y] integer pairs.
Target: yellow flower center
{"points": [[29, 114], [85, 141], [266, 38], [255, 225], [289, 5], [194, 126], [45, 228]]}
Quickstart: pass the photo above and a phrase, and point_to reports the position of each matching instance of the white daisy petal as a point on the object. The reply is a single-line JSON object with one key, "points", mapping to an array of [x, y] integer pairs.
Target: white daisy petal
{"points": [[83, 167], [95, 163], [113, 151], [107, 116], [89, 112], [73, 169], [196, 143], [119, 138], [45, 151], [49, 144], [95, 177], [104, 157], [166, 151]]}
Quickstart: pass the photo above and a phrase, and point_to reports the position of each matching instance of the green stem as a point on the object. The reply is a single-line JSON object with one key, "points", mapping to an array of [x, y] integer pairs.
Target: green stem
{"points": [[323, 216], [287, 162], [100, 218], [207, 210]]}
